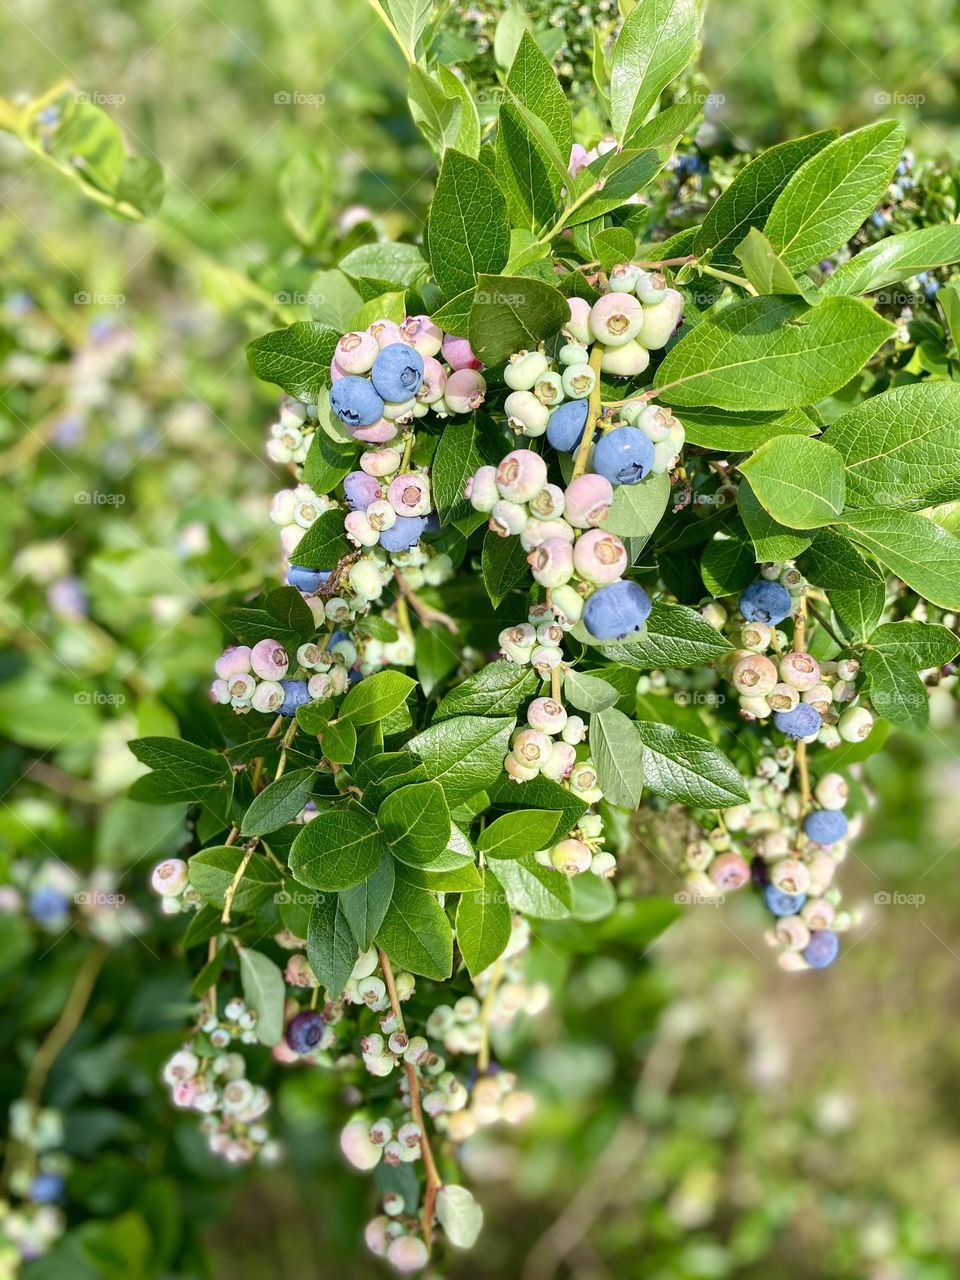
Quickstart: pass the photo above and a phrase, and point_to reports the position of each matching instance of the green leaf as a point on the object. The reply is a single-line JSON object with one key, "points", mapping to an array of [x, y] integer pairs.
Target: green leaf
{"points": [[919, 645], [381, 774], [900, 445], [211, 872], [328, 461], [464, 878], [339, 740], [509, 31], [376, 696], [365, 904], [727, 432], [324, 544], [184, 771], [925, 556], [799, 481], [767, 272], [464, 754], [624, 175], [503, 563], [613, 246], [771, 540], [527, 173], [532, 889], [541, 793], [468, 138], [636, 509], [727, 564], [467, 229], [385, 306], [410, 19], [618, 757], [415, 822], [518, 833], [455, 460], [331, 945], [439, 115], [278, 803], [513, 313], [458, 1212], [675, 636], [296, 358], [494, 690], [896, 691], [391, 261], [664, 131], [657, 41], [748, 200], [588, 693], [682, 767], [333, 300], [533, 81], [896, 258], [337, 849], [437, 654], [483, 925], [772, 353], [416, 933], [832, 193], [264, 993]]}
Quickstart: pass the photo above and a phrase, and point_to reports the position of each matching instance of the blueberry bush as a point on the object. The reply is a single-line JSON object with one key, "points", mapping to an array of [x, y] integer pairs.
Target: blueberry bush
{"points": [[622, 493]]}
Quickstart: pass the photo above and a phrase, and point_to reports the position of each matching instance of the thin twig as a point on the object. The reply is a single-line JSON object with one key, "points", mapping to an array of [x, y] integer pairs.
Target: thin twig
{"points": [[593, 412], [425, 612]]}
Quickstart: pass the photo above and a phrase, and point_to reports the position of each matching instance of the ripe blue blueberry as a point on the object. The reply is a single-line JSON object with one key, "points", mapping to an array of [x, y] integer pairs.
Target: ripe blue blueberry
{"points": [[397, 372], [295, 694], [48, 904], [306, 580], [825, 826], [822, 949], [624, 455], [782, 904], [616, 610], [46, 1188], [305, 1031], [355, 402], [802, 722], [765, 601], [565, 428], [404, 534]]}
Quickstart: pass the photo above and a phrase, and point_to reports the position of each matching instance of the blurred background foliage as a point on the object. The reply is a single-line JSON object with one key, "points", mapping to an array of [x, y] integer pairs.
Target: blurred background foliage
{"points": [[700, 1113]]}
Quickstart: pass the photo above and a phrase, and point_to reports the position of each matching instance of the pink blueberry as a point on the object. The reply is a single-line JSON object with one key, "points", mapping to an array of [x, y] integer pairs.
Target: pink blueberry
{"points": [[386, 333], [465, 390], [420, 332], [434, 381], [481, 489], [560, 761], [409, 494], [729, 871], [578, 326], [600, 557], [377, 433], [459, 354], [234, 661], [380, 462], [548, 503], [521, 475], [552, 562], [269, 660], [547, 715], [356, 352], [587, 500], [616, 318]]}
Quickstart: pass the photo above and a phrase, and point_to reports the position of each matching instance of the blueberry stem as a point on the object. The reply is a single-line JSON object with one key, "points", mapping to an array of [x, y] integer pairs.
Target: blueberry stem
{"points": [[483, 1057], [593, 412], [424, 612], [416, 1110]]}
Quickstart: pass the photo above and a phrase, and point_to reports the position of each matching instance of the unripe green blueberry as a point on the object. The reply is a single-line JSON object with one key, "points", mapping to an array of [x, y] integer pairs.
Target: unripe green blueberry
{"points": [[407, 1254], [817, 913], [572, 857], [521, 475], [665, 457], [790, 875], [526, 414], [783, 697], [819, 696], [524, 368], [623, 277], [855, 724], [550, 632], [356, 1146], [268, 696], [364, 579], [753, 707], [791, 578], [773, 845], [381, 515], [170, 877], [537, 532], [755, 676], [578, 381], [548, 388], [568, 604], [549, 503], [546, 657], [626, 360], [481, 489], [698, 855], [394, 411], [573, 353], [507, 518], [714, 613], [604, 865], [577, 327], [651, 287], [800, 670], [844, 691], [660, 320], [516, 643], [829, 737], [587, 500], [615, 318], [547, 715], [832, 791], [560, 761], [848, 668], [575, 730], [583, 782]]}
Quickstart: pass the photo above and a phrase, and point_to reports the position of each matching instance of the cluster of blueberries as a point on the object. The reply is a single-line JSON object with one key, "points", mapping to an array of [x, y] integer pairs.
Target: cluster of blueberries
{"points": [[391, 374]]}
